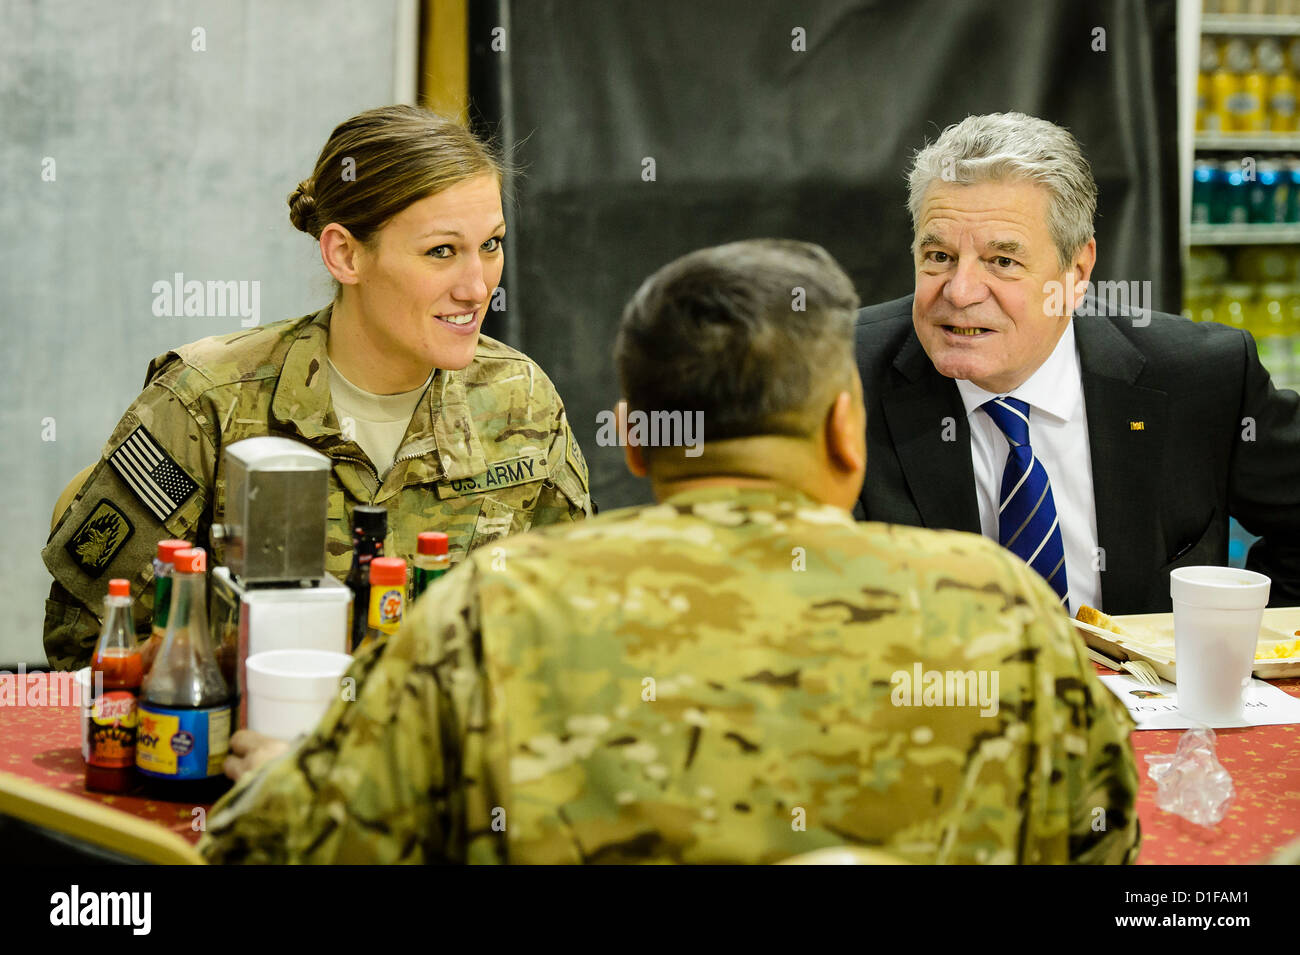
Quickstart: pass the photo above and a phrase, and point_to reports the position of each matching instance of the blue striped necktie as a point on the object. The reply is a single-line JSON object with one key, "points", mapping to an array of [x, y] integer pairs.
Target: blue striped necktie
{"points": [[1027, 521]]}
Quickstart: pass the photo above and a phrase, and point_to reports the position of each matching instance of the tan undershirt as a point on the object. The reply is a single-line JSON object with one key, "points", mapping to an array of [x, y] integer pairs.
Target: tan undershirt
{"points": [[379, 422]]}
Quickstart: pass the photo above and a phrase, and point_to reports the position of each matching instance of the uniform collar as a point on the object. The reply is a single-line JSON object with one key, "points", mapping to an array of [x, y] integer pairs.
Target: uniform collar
{"points": [[1054, 389], [716, 502], [443, 441]]}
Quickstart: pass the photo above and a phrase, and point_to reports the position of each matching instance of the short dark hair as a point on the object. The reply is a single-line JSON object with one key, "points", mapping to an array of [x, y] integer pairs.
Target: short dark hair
{"points": [[749, 333]]}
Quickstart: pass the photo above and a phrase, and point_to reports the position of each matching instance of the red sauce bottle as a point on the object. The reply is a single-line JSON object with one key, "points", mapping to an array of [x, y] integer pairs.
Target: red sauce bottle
{"points": [[116, 672]]}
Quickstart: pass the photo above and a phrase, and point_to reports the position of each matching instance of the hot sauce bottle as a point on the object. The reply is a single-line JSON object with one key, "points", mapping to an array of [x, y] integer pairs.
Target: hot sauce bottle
{"points": [[387, 599], [116, 672]]}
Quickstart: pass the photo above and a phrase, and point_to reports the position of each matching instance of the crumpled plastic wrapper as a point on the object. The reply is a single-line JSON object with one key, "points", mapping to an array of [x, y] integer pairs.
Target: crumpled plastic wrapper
{"points": [[1192, 782]]}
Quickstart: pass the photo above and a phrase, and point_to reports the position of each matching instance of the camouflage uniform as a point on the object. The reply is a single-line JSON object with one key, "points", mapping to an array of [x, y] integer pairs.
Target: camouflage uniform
{"points": [[709, 680], [488, 452]]}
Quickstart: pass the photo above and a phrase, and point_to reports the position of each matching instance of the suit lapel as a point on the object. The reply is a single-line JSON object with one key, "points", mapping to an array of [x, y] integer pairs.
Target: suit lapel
{"points": [[1127, 429], [921, 414]]}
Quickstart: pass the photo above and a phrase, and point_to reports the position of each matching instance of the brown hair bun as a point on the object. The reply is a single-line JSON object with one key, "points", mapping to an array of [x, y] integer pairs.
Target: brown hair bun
{"points": [[302, 209]]}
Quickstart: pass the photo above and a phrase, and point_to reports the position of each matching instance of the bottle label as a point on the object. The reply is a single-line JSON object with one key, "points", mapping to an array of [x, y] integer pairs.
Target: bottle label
{"points": [[1243, 103], [182, 744], [111, 730], [386, 608]]}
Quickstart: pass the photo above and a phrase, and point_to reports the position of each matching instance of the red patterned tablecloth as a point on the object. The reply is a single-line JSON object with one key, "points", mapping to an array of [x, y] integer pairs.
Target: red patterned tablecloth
{"points": [[42, 743], [1264, 762]]}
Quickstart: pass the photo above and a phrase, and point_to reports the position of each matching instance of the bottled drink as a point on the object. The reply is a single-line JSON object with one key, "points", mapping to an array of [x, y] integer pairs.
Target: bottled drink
{"points": [[387, 595], [1223, 84], [111, 732], [1252, 87], [1233, 194], [1207, 66], [1271, 331], [1235, 304], [1262, 195], [1291, 330], [162, 598], [1292, 169], [431, 561], [1203, 184], [369, 528], [185, 704], [1280, 84]]}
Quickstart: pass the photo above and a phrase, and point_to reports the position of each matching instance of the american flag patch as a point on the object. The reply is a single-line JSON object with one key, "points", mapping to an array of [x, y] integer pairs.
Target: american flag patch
{"points": [[156, 479]]}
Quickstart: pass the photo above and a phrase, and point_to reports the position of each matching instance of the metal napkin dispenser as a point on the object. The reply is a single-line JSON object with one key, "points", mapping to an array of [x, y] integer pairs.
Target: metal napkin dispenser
{"points": [[277, 493]]}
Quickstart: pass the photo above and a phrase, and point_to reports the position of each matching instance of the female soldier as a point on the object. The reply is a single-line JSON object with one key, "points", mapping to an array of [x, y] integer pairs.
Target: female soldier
{"points": [[446, 428]]}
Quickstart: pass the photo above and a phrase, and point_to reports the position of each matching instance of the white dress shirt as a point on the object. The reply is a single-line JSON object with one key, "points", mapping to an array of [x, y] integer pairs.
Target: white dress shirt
{"points": [[1058, 433]]}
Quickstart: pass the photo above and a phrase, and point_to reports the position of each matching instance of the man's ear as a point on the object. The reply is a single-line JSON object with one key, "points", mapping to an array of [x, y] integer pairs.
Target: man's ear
{"points": [[632, 455], [845, 439], [1081, 272]]}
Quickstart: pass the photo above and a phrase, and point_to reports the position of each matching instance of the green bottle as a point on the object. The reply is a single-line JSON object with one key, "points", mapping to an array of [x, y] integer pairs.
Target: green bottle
{"points": [[431, 561]]}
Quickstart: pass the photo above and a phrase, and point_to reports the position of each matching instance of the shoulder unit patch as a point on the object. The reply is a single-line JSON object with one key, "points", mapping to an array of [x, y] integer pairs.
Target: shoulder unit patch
{"points": [[574, 456], [99, 538]]}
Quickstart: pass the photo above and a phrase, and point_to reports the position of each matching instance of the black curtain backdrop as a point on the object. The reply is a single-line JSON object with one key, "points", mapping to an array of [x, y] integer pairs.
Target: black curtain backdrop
{"points": [[751, 138]]}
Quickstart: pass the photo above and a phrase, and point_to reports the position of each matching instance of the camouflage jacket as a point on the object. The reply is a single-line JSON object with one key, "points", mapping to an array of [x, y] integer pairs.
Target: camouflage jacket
{"points": [[732, 676], [488, 452]]}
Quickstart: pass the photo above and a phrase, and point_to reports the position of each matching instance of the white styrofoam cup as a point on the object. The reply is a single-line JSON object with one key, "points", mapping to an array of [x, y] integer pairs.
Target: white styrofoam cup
{"points": [[290, 690], [1217, 613]]}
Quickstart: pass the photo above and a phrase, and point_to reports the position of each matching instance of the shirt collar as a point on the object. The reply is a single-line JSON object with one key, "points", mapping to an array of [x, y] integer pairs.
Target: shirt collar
{"points": [[444, 438], [719, 501], [1054, 389]]}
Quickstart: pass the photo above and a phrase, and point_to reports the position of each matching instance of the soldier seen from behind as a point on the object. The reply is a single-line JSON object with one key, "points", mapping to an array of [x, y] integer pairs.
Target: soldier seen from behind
{"points": [[737, 674]]}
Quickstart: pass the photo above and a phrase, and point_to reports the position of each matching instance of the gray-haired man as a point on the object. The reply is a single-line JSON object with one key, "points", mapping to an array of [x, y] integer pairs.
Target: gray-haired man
{"points": [[1105, 451]]}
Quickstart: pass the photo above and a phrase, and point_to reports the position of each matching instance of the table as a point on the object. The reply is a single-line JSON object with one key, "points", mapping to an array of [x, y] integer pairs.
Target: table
{"points": [[42, 743], [1264, 763]]}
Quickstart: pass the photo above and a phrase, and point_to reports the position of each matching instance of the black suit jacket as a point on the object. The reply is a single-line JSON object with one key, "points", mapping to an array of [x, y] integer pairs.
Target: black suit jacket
{"points": [[1171, 456]]}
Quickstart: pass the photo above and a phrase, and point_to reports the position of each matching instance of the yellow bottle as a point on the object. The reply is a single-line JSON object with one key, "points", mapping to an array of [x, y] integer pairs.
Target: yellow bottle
{"points": [[1212, 304], [387, 599], [1270, 329], [1281, 104], [1194, 299], [1206, 119], [1233, 307], [1248, 105], [1264, 263], [1292, 331], [1223, 94]]}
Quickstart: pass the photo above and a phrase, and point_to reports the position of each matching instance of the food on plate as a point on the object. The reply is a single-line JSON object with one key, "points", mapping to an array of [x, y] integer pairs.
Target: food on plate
{"points": [[1279, 651], [1088, 615]]}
